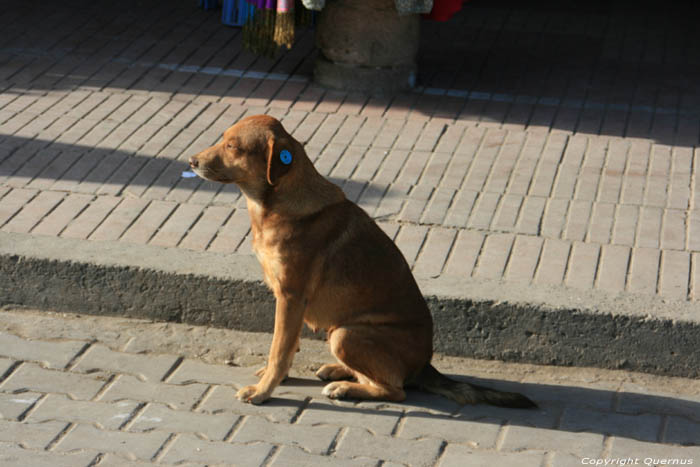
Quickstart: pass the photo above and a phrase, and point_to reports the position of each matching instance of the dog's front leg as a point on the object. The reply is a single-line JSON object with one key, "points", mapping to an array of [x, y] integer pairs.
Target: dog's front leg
{"points": [[289, 318]]}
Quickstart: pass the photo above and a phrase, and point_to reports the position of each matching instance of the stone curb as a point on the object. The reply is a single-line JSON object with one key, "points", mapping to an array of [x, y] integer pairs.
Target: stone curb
{"points": [[473, 318]]}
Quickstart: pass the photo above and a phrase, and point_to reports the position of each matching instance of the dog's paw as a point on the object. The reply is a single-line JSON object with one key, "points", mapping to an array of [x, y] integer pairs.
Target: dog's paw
{"points": [[333, 372], [261, 372], [252, 394], [336, 390]]}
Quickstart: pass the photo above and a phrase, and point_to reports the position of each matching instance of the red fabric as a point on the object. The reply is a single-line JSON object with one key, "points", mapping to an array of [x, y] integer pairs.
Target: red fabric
{"points": [[444, 9]]}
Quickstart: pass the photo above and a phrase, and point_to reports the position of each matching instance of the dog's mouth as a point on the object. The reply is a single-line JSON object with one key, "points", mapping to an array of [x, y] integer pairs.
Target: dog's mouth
{"points": [[212, 175]]}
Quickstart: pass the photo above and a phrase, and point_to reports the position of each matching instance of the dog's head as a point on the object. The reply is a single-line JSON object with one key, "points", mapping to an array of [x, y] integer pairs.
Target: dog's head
{"points": [[255, 153]]}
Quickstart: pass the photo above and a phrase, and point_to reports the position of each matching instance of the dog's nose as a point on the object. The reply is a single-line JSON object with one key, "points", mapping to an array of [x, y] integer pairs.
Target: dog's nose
{"points": [[194, 163]]}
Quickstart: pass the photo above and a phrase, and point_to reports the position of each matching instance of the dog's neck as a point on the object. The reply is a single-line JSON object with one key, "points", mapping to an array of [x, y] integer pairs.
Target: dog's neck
{"points": [[292, 200]]}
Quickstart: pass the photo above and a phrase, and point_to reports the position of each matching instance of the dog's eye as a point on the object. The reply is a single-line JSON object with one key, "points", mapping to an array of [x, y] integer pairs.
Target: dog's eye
{"points": [[230, 147]]}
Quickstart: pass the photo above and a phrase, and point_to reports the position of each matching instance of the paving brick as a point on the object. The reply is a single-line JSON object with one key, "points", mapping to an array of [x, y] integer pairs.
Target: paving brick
{"points": [[177, 225], [128, 387], [656, 189], [33, 212], [600, 226], [134, 445], [504, 164], [625, 225], [636, 398], [161, 418], [553, 261], [652, 454], [357, 442], [643, 427], [280, 408], [30, 435], [414, 206], [675, 271], [430, 135], [346, 166], [55, 169], [673, 230], [187, 448], [695, 279], [530, 220], [565, 181], [548, 166], [612, 269], [635, 175], [464, 253], [577, 220], [381, 421], [435, 169], [484, 212], [116, 460], [484, 159], [119, 220], [644, 270], [289, 456], [522, 177], [581, 444], [62, 408], [14, 454], [148, 222], [145, 367], [524, 258], [649, 230], [680, 430], [482, 433], [190, 371], [90, 218], [434, 254], [456, 455], [206, 227], [554, 217], [326, 131], [461, 208], [14, 405], [315, 439], [410, 240], [507, 214], [583, 264], [451, 138], [391, 164], [31, 377], [13, 202], [48, 354], [232, 233], [494, 255]]}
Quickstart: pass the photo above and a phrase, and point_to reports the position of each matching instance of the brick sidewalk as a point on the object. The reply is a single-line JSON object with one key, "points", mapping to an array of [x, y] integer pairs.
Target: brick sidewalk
{"points": [[99, 114], [79, 391]]}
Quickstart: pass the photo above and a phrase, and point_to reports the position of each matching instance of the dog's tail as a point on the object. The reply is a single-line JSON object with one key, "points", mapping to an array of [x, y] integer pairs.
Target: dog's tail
{"points": [[431, 380]]}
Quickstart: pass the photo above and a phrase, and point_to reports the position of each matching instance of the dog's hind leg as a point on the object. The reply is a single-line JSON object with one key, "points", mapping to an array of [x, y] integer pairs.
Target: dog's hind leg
{"points": [[334, 372], [379, 357]]}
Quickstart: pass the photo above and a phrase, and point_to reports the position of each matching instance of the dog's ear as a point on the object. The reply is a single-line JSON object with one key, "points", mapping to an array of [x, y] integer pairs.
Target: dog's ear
{"points": [[279, 160]]}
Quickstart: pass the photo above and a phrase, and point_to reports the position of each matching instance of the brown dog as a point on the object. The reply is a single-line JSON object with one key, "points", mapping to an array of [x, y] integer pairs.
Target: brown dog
{"points": [[331, 266]]}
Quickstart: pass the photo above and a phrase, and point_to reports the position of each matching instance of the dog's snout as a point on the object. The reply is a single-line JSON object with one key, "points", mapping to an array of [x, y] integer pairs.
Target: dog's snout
{"points": [[194, 162]]}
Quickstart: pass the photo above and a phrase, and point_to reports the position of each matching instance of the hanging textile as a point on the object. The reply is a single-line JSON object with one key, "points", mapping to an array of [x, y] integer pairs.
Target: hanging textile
{"points": [[271, 24], [444, 9]]}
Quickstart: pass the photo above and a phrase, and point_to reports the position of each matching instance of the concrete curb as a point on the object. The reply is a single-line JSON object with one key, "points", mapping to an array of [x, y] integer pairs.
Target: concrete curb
{"points": [[474, 318]]}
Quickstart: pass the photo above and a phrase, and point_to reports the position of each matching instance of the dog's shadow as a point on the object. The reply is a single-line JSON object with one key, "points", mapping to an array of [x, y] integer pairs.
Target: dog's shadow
{"points": [[561, 408]]}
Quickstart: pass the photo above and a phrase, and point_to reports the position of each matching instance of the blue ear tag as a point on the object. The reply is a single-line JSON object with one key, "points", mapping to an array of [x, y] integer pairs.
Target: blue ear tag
{"points": [[286, 157]]}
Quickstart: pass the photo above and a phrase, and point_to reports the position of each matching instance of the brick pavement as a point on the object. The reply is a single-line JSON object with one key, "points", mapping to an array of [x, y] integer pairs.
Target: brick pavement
{"points": [[580, 175], [94, 391]]}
